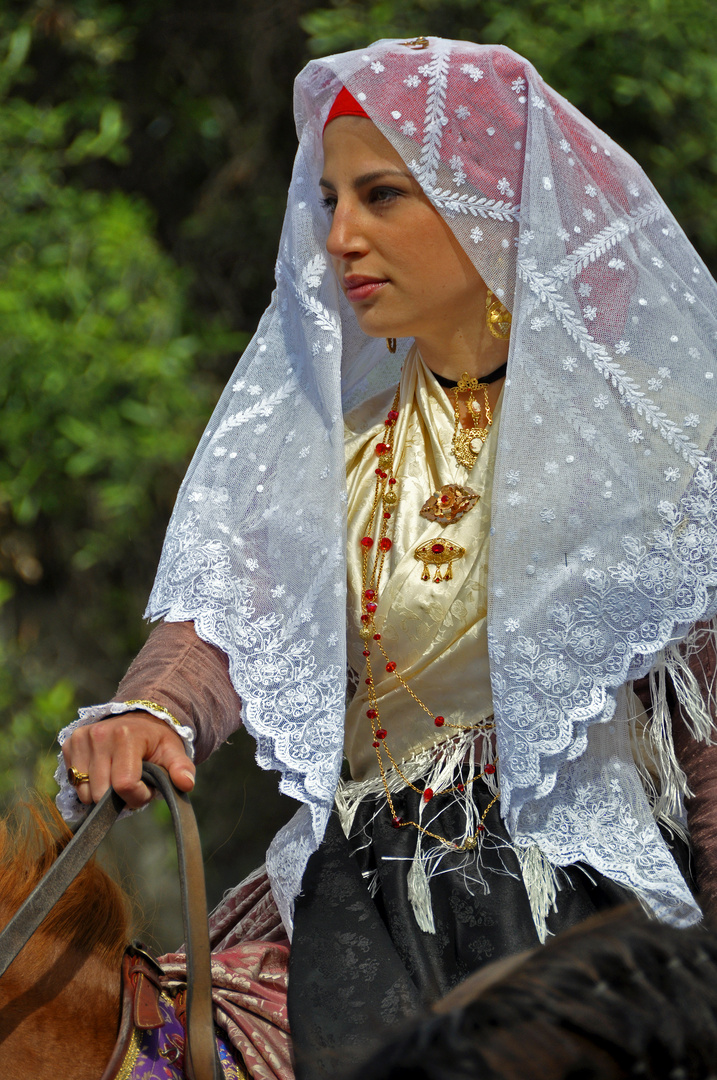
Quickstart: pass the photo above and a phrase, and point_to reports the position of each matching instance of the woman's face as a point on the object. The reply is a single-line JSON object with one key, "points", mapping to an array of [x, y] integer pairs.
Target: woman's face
{"points": [[398, 264]]}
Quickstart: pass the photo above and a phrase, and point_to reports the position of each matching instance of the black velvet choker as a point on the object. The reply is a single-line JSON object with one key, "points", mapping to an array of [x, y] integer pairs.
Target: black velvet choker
{"points": [[451, 384]]}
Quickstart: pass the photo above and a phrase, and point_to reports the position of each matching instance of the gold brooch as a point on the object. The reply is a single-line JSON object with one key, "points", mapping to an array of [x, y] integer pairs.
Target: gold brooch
{"points": [[449, 504], [437, 553], [417, 43]]}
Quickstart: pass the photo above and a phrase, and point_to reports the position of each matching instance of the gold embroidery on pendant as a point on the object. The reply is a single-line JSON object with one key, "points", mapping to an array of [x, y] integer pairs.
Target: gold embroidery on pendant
{"points": [[437, 553], [467, 445]]}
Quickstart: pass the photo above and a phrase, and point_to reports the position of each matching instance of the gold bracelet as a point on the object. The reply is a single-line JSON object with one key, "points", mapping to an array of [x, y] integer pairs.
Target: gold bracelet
{"points": [[153, 705]]}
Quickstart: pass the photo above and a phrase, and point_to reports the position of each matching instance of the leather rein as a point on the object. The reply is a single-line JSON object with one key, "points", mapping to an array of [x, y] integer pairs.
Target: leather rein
{"points": [[140, 973]]}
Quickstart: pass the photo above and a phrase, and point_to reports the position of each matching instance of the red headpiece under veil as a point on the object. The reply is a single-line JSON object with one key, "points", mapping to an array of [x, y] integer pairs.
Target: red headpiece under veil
{"points": [[345, 105]]}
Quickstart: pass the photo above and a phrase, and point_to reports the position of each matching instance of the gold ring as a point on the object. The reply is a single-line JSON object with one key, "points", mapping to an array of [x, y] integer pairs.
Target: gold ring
{"points": [[76, 778]]}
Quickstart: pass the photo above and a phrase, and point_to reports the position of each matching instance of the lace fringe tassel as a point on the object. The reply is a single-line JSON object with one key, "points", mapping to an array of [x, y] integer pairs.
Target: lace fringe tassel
{"points": [[419, 892], [671, 787], [541, 885], [436, 768], [697, 712]]}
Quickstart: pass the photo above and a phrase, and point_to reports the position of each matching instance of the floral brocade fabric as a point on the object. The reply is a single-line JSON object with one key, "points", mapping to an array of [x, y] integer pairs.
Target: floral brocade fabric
{"points": [[158, 1054]]}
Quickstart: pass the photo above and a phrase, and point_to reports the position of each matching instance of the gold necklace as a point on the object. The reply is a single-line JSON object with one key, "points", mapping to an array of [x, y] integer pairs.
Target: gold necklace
{"points": [[468, 442], [386, 495]]}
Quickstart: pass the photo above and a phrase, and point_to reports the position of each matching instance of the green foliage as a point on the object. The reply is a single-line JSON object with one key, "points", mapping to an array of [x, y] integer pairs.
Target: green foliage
{"points": [[95, 372], [101, 391], [145, 148], [644, 70], [30, 731], [346, 25]]}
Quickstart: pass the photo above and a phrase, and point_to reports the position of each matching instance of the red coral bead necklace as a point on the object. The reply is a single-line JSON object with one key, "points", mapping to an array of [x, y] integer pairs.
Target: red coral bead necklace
{"points": [[386, 496]]}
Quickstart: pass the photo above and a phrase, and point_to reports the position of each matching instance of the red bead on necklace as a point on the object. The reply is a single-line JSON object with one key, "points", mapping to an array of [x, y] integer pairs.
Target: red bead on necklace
{"points": [[372, 569]]}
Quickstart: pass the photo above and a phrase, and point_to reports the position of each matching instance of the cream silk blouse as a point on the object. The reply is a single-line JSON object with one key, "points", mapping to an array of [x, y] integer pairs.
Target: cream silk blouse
{"points": [[435, 632]]}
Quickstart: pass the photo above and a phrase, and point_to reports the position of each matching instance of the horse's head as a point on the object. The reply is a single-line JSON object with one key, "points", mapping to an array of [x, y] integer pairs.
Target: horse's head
{"points": [[59, 999]]}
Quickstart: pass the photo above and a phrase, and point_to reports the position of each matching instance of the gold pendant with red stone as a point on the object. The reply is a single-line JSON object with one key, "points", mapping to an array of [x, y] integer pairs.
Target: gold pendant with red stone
{"points": [[439, 552]]}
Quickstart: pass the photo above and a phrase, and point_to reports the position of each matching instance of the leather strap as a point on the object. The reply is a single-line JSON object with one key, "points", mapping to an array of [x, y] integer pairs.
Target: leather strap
{"points": [[201, 1061], [140, 988]]}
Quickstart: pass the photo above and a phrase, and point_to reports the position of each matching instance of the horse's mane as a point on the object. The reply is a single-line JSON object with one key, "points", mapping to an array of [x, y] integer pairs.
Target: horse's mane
{"points": [[67, 978], [617, 996], [93, 915]]}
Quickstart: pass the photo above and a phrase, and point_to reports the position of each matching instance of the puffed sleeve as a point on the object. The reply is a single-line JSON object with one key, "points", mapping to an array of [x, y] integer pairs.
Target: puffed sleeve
{"points": [[189, 678]]}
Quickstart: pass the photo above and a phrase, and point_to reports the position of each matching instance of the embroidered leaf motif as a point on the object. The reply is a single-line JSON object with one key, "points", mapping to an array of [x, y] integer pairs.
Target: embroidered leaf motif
{"points": [[313, 272], [604, 240], [544, 287], [322, 316], [265, 407], [437, 73], [476, 205]]}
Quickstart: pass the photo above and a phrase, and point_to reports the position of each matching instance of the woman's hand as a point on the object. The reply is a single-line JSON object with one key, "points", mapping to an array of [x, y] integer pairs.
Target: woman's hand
{"points": [[112, 751]]}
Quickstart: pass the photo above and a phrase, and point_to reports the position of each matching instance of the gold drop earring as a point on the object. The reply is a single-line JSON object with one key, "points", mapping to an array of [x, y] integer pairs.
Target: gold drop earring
{"points": [[391, 344], [497, 317]]}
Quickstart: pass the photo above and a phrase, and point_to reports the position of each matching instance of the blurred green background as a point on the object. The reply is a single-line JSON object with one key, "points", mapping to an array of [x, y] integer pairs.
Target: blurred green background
{"points": [[145, 152]]}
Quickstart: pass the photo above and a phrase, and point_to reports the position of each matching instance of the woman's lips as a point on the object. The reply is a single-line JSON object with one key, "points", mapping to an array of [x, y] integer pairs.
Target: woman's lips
{"points": [[360, 288]]}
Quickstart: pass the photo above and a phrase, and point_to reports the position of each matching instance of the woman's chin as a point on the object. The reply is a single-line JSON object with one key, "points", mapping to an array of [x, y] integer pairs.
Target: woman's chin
{"points": [[371, 330]]}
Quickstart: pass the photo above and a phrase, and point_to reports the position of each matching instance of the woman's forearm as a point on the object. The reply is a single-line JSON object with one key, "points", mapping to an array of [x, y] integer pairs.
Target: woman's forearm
{"points": [[189, 678]]}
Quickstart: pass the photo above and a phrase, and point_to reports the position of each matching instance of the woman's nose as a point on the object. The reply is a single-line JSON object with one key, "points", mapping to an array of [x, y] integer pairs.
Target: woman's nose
{"points": [[345, 239]]}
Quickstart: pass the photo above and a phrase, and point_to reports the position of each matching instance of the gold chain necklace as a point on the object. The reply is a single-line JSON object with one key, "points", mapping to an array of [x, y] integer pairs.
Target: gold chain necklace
{"points": [[386, 496]]}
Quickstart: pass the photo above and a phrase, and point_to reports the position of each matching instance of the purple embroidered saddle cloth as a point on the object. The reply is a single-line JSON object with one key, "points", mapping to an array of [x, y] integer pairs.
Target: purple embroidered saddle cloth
{"points": [[158, 1053]]}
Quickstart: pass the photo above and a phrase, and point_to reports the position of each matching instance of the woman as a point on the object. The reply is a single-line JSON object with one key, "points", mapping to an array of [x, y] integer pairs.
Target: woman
{"points": [[495, 746]]}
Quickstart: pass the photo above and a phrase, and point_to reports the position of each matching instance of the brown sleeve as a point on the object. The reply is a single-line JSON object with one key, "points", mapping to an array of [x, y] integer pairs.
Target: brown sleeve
{"points": [[699, 762], [179, 672]]}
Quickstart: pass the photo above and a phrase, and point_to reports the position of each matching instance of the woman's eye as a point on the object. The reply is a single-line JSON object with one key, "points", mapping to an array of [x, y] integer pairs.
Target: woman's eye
{"points": [[378, 196], [384, 195]]}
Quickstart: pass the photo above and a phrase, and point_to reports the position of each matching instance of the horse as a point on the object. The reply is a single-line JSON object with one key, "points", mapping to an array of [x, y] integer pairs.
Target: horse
{"points": [[618, 996], [60, 998], [64, 998]]}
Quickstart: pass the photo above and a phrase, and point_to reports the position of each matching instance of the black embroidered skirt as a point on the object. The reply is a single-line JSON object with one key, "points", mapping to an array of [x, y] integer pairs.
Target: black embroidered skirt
{"points": [[361, 964]]}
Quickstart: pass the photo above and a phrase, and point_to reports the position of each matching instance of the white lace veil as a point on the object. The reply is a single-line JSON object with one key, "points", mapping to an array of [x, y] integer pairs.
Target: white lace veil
{"points": [[604, 532]]}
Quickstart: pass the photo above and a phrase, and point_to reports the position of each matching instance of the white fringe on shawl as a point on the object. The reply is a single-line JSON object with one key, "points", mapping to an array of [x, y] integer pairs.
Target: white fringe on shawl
{"points": [[541, 882], [660, 771], [439, 767], [657, 764]]}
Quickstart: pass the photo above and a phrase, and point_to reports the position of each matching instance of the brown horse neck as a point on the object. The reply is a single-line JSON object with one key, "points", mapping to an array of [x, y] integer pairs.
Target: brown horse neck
{"points": [[62, 1020], [60, 998]]}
